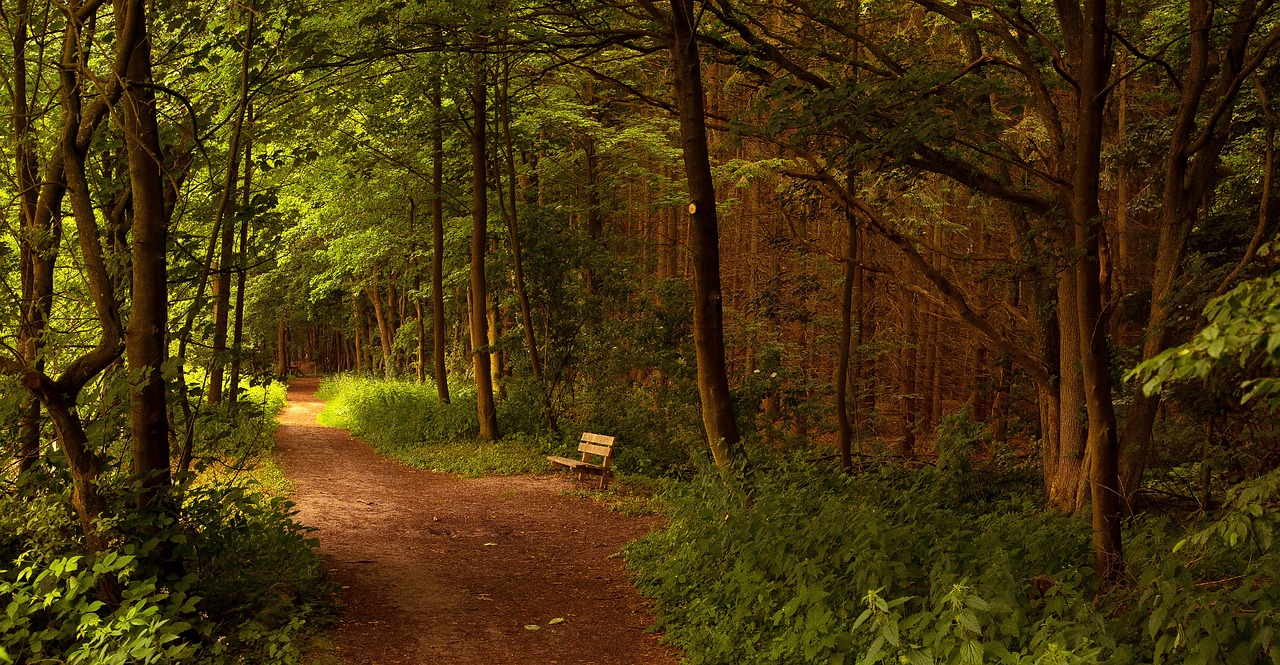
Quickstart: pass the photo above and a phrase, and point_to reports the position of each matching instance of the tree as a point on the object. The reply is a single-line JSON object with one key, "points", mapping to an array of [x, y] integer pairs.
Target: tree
{"points": [[708, 327], [480, 349]]}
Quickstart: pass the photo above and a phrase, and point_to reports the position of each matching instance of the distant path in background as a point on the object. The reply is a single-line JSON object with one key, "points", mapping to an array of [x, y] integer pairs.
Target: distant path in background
{"points": [[440, 569]]}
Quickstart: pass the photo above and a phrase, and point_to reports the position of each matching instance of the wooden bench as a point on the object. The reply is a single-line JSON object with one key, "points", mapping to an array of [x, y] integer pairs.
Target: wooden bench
{"points": [[593, 445]]}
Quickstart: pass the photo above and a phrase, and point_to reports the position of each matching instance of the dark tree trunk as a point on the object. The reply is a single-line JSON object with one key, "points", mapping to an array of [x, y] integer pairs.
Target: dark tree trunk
{"points": [[242, 273], [437, 242], [226, 225], [38, 240], [381, 315], [517, 260], [907, 378], [1102, 445], [480, 359], [148, 316], [708, 319], [844, 440]]}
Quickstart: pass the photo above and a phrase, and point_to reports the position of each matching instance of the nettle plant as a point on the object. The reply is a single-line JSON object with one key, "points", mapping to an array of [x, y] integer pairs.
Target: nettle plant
{"points": [[1243, 327]]}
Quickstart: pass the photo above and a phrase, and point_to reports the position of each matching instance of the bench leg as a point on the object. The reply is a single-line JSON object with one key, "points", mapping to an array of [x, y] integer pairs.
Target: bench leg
{"points": [[604, 480]]}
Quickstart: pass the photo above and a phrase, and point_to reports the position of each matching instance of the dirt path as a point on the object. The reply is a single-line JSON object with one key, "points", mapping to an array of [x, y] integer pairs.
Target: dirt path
{"points": [[438, 569]]}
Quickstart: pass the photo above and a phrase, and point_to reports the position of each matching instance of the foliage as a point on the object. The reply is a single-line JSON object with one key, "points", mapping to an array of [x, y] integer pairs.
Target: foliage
{"points": [[1244, 327], [230, 577], [233, 579], [795, 564], [52, 613], [404, 420]]}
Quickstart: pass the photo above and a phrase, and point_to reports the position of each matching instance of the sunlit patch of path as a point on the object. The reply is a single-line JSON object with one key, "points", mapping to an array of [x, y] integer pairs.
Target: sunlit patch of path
{"points": [[439, 569]]}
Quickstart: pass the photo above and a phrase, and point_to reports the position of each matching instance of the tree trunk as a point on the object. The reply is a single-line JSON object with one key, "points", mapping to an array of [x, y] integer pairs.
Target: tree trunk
{"points": [[437, 241], [226, 225], [149, 314], [708, 318], [282, 350], [384, 326], [480, 359], [907, 379], [242, 272], [37, 253], [496, 365], [844, 440], [1102, 445], [594, 221], [1064, 479]]}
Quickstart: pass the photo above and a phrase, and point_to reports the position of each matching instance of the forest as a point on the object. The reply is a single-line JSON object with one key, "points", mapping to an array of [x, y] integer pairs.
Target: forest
{"points": [[931, 331]]}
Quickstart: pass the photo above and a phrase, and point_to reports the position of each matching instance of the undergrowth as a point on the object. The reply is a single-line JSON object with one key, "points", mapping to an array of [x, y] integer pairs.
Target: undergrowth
{"points": [[225, 576], [404, 420], [796, 564]]}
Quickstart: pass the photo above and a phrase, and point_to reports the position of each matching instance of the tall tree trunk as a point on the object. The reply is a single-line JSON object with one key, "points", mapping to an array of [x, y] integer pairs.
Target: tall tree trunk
{"points": [[242, 269], [1065, 479], [1191, 161], [1102, 446], [282, 350], [594, 221], [480, 359], [907, 380], [513, 228], [517, 260], [226, 225], [844, 440], [149, 314], [437, 241], [708, 318], [417, 300], [38, 241], [496, 364]]}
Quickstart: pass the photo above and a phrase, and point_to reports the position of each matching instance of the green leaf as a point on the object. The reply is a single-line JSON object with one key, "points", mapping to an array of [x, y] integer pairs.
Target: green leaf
{"points": [[969, 621]]}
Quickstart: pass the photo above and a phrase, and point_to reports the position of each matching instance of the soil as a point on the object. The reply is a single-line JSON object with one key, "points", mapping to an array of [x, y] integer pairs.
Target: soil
{"points": [[439, 569]]}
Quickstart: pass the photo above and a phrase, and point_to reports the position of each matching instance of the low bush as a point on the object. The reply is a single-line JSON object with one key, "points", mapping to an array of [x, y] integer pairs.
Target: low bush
{"points": [[225, 576], [404, 420], [796, 564]]}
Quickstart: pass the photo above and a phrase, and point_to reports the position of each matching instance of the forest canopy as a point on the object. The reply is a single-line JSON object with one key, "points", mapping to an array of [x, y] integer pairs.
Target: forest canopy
{"points": [[799, 254]]}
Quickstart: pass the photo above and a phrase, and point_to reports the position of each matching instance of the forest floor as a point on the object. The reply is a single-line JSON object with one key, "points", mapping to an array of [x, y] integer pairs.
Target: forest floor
{"points": [[440, 569]]}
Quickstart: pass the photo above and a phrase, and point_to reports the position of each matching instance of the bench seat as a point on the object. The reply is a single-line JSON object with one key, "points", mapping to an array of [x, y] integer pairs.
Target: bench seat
{"points": [[592, 445]]}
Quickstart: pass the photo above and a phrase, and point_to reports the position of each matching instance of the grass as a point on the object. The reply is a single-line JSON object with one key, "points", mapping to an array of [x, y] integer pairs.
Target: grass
{"points": [[405, 421], [628, 494]]}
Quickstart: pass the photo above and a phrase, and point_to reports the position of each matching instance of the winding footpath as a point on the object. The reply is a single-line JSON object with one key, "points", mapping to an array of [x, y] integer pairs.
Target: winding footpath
{"points": [[440, 569]]}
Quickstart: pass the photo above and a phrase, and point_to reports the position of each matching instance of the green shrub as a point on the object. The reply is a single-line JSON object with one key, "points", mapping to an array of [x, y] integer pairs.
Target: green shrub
{"points": [[225, 576], [783, 571], [232, 579], [797, 564], [405, 421]]}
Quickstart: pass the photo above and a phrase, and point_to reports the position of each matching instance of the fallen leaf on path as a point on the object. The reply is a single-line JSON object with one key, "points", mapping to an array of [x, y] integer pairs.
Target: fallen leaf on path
{"points": [[490, 544], [556, 621], [533, 626]]}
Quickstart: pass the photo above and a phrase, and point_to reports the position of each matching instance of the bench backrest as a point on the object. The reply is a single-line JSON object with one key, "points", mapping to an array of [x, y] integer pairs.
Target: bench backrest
{"points": [[598, 445]]}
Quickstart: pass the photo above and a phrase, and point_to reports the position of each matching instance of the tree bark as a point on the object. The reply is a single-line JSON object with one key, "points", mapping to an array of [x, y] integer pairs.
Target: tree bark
{"points": [[225, 222], [480, 358], [149, 314], [384, 325], [844, 436], [419, 320], [437, 241], [708, 318], [242, 270], [282, 350], [37, 241], [907, 379], [1102, 445], [1066, 454]]}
